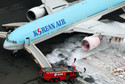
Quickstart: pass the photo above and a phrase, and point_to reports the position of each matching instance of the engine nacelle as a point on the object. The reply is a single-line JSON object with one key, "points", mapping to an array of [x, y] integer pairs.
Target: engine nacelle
{"points": [[36, 12], [91, 42]]}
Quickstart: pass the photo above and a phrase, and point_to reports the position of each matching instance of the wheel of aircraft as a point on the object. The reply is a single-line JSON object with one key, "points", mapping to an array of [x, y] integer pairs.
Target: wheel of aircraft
{"points": [[14, 53]]}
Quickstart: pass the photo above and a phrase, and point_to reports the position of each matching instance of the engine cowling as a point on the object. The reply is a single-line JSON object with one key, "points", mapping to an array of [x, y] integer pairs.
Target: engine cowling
{"points": [[36, 12], [89, 43]]}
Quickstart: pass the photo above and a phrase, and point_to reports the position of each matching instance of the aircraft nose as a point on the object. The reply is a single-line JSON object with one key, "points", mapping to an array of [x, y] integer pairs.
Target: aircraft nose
{"points": [[8, 46], [11, 46], [5, 46]]}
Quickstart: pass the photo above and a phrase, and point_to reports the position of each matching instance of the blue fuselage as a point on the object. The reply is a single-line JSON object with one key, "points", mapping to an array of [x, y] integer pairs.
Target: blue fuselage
{"points": [[57, 21]]}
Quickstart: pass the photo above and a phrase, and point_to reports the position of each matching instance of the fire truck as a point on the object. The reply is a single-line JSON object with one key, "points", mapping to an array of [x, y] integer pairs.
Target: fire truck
{"points": [[59, 73]]}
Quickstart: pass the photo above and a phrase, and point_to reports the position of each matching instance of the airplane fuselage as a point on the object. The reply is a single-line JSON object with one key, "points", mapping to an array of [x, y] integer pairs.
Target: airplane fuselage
{"points": [[57, 22]]}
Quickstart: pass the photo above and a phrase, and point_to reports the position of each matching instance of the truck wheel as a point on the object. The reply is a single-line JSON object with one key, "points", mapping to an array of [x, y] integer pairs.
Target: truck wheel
{"points": [[56, 80], [71, 78], [51, 80]]}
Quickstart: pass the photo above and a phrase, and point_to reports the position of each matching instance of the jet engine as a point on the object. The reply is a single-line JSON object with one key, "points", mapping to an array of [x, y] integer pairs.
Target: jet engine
{"points": [[36, 12], [91, 42]]}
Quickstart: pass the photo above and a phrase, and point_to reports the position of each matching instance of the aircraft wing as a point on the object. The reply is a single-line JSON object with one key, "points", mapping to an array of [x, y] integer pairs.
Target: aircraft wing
{"points": [[97, 27], [54, 5], [3, 34], [13, 25]]}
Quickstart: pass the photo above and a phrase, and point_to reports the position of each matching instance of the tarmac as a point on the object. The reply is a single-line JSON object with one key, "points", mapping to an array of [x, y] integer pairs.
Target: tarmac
{"points": [[22, 69]]}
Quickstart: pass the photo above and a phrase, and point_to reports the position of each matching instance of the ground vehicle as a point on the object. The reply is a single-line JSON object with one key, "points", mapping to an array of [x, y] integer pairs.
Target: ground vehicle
{"points": [[58, 73]]}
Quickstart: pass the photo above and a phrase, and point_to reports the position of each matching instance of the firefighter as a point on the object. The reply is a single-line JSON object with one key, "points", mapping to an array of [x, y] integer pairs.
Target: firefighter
{"points": [[110, 39], [84, 69], [118, 39], [74, 60]]}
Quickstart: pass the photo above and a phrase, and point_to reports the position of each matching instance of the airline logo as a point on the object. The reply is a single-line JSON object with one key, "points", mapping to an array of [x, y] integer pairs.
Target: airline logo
{"points": [[49, 27]]}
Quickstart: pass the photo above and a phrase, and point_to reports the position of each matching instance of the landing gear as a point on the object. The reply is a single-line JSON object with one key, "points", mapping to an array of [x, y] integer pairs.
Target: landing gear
{"points": [[14, 53]]}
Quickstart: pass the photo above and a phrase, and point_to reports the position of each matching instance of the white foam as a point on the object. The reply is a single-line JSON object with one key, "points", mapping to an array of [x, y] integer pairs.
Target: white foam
{"points": [[100, 62]]}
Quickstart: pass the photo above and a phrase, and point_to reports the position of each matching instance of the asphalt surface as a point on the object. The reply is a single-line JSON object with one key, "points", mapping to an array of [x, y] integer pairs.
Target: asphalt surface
{"points": [[22, 69], [17, 70]]}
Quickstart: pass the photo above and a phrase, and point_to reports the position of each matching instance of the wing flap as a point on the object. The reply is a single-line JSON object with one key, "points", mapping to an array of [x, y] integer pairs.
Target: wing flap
{"points": [[52, 7], [96, 27]]}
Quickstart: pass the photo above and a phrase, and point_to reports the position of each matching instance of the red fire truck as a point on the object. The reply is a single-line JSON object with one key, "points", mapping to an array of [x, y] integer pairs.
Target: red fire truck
{"points": [[58, 73]]}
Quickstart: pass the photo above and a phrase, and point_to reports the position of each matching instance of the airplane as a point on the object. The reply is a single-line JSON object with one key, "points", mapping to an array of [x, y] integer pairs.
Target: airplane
{"points": [[58, 16]]}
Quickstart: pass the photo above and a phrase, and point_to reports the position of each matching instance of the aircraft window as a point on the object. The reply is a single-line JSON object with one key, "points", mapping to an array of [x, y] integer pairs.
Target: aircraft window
{"points": [[10, 41]]}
